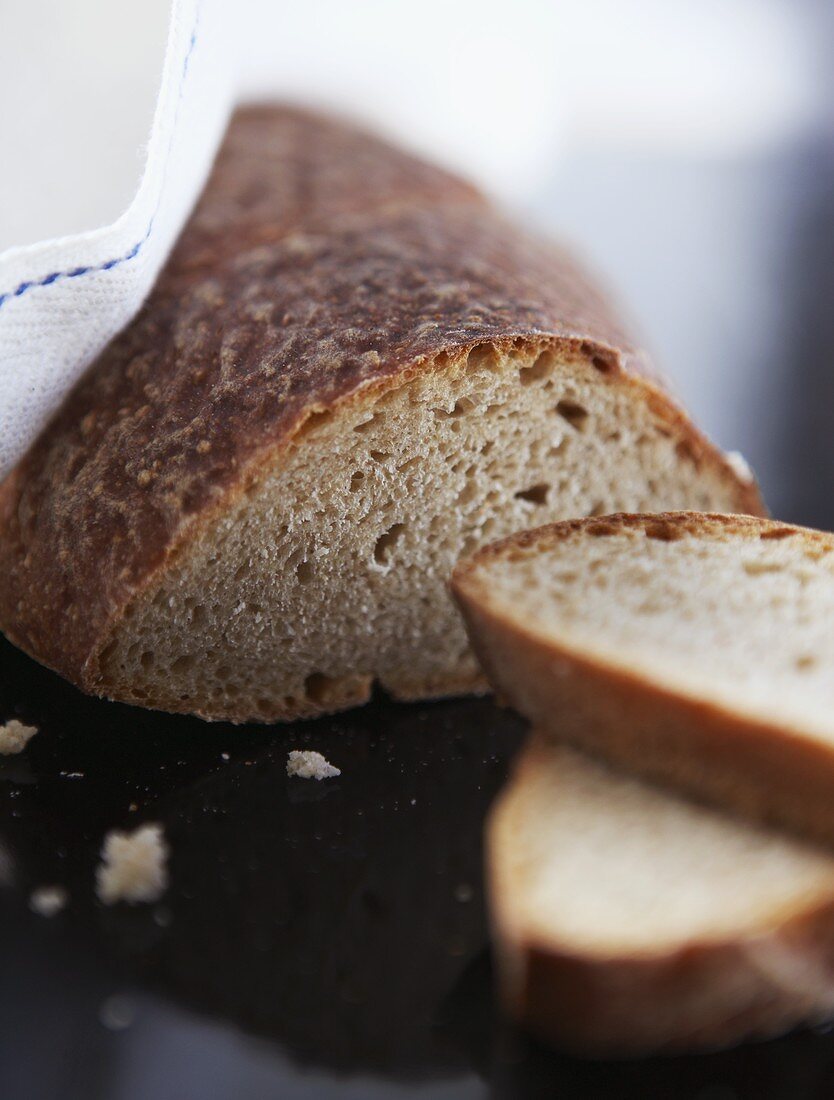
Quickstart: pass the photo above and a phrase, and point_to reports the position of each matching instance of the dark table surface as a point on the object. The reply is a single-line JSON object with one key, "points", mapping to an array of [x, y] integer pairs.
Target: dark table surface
{"points": [[328, 939], [318, 939]]}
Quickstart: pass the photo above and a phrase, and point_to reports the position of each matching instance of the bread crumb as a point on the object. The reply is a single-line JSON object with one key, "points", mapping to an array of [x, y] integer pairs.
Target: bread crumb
{"points": [[133, 866], [310, 765], [740, 466], [46, 901], [14, 737]]}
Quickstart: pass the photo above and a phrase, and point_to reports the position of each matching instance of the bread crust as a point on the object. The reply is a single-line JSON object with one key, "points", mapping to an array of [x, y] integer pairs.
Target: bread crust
{"points": [[761, 768], [702, 995], [320, 267]]}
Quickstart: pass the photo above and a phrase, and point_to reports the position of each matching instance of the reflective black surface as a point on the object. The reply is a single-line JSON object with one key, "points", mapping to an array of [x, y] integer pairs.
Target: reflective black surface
{"points": [[335, 919], [318, 939]]}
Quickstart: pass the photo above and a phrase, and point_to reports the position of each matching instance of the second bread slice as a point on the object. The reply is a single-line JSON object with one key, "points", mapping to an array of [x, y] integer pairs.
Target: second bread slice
{"points": [[629, 921], [695, 649]]}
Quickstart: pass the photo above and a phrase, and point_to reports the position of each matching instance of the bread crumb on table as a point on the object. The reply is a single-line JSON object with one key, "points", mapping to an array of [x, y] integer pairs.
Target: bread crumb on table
{"points": [[307, 764], [739, 465], [46, 901], [15, 736], [134, 866]]}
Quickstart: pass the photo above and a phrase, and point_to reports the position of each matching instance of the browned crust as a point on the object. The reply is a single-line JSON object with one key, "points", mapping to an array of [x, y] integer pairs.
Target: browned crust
{"points": [[699, 995], [666, 526], [320, 266], [764, 769], [662, 525]]}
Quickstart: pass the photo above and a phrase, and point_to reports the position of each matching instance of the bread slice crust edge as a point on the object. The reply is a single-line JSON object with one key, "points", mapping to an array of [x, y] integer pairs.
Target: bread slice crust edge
{"points": [[763, 768]]}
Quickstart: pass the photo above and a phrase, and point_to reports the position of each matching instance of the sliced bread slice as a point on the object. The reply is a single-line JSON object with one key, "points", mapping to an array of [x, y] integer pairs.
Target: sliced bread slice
{"points": [[627, 920], [695, 649]]}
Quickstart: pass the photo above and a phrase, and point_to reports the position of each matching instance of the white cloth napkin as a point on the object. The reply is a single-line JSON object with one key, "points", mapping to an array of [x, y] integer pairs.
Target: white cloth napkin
{"points": [[62, 300]]}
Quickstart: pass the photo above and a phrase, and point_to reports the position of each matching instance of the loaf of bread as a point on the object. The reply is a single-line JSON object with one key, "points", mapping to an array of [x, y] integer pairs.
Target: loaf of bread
{"points": [[629, 921], [694, 649], [351, 371]]}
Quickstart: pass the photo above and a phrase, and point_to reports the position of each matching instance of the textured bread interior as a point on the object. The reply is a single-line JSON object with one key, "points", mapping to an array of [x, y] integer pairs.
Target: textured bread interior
{"points": [[602, 863], [729, 614], [331, 570]]}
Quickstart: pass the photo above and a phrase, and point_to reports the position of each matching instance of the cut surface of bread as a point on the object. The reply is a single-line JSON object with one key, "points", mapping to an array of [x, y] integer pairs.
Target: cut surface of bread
{"points": [[333, 572], [351, 371], [692, 648], [628, 920]]}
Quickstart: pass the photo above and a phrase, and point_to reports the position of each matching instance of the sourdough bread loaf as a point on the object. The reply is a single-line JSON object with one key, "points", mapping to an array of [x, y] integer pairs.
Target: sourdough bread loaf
{"points": [[694, 649], [351, 370], [629, 921]]}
